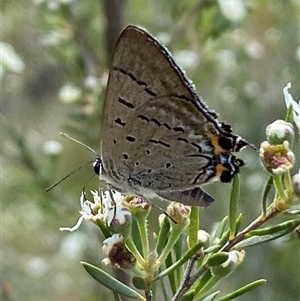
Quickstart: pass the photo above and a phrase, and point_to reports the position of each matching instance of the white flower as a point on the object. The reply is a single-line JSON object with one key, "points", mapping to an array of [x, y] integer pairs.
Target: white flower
{"points": [[203, 236], [106, 207], [234, 258], [279, 131], [116, 213], [89, 211], [109, 242], [117, 253], [289, 101]]}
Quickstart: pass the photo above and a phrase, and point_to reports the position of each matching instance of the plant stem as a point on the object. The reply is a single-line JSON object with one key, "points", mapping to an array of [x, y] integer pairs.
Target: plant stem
{"points": [[254, 225]]}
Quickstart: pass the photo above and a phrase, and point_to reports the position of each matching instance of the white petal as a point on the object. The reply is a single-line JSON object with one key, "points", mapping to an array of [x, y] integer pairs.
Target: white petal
{"points": [[82, 198], [287, 96], [86, 207], [289, 101], [74, 227]]}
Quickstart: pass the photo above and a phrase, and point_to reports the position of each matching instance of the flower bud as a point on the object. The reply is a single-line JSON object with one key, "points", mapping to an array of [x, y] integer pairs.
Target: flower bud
{"points": [[277, 159], [296, 183], [279, 131], [161, 219], [179, 213], [203, 237], [234, 259], [117, 253], [118, 218], [138, 206]]}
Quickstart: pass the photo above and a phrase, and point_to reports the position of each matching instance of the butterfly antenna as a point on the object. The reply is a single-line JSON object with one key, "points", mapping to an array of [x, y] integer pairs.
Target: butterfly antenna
{"points": [[67, 176], [79, 168], [79, 142]]}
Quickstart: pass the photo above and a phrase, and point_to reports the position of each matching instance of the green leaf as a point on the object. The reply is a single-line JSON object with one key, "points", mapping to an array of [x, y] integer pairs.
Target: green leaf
{"points": [[189, 296], [136, 236], [238, 223], [178, 247], [267, 234], [289, 114], [171, 276], [203, 280], [224, 239], [220, 229], [163, 233], [217, 259], [111, 283], [211, 249], [287, 227], [266, 192], [294, 211], [194, 226], [178, 254], [234, 204], [242, 290], [180, 262], [139, 283], [212, 296]]}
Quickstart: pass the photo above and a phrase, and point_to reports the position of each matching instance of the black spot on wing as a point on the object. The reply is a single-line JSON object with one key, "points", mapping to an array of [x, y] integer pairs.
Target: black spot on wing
{"points": [[120, 122], [126, 103], [159, 142]]}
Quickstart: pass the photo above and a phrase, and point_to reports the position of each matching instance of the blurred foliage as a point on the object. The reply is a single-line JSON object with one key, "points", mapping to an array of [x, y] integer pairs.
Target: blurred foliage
{"points": [[54, 71]]}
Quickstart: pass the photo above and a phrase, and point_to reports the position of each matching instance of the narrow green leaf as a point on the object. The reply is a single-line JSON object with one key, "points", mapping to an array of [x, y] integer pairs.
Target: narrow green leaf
{"points": [[217, 259], [165, 291], [208, 285], [163, 233], [180, 262], [178, 254], [189, 296], [238, 223], [194, 226], [212, 296], [212, 249], [294, 211], [139, 283], [267, 234], [171, 275], [220, 229], [206, 277], [242, 290], [178, 247], [289, 114], [266, 192], [136, 236], [287, 226], [234, 204], [224, 238], [111, 283]]}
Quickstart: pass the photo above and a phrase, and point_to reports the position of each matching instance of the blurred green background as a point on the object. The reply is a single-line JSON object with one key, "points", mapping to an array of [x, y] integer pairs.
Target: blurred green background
{"points": [[54, 67]]}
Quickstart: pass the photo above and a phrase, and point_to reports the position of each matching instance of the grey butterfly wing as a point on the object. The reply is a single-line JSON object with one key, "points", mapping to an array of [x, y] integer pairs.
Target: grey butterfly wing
{"points": [[156, 133], [193, 197]]}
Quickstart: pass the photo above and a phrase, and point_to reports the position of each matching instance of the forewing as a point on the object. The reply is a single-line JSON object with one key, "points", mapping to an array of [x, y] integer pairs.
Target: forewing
{"points": [[155, 131]]}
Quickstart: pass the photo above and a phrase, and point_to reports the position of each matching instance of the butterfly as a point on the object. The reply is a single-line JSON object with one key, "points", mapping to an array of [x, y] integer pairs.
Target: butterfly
{"points": [[158, 138]]}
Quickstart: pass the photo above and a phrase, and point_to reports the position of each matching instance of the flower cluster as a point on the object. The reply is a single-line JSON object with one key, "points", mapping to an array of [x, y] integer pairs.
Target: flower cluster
{"points": [[277, 155], [194, 260]]}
